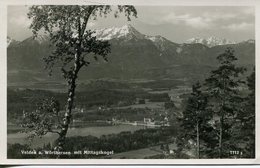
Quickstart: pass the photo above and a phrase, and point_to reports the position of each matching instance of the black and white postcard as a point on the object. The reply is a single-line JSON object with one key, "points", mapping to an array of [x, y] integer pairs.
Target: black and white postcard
{"points": [[129, 82]]}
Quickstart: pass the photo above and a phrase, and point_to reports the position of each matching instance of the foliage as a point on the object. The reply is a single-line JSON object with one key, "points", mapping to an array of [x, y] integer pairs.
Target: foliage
{"points": [[229, 121], [43, 120], [222, 86], [195, 109], [195, 120], [245, 125], [73, 41], [122, 142], [67, 28]]}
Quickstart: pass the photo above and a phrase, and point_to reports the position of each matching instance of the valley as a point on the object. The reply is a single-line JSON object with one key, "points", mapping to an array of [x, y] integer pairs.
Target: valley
{"points": [[135, 100]]}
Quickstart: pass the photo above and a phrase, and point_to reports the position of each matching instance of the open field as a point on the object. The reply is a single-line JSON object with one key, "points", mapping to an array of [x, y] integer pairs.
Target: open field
{"points": [[151, 105]]}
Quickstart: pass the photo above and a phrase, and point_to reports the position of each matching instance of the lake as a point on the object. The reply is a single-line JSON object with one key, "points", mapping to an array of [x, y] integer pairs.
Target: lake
{"points": [[50, 137]]}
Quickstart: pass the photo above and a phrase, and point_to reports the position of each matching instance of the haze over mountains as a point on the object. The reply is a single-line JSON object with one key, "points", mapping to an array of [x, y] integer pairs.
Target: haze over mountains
{"points": [[133, 55]]}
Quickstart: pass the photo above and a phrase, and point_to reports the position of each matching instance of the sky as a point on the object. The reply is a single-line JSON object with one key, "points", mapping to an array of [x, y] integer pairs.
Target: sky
{"points": [[176, 23]]}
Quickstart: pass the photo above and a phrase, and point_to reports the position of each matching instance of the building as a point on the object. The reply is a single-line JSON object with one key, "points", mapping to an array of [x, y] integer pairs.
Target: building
{"points": [[148, 121]]}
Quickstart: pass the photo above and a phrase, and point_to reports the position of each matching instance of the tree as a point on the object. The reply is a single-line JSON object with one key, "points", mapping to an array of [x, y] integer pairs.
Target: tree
{"points": [[223, 86], [195, 116], [45, 119], [246, 118], [74, 43]]}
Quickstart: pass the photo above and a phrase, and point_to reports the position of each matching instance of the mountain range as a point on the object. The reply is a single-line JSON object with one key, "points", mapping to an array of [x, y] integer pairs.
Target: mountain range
{"points": [[210, 41], [133, 55]]}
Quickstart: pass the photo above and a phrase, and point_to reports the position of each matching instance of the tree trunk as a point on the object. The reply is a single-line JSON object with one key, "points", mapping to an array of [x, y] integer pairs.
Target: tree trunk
{"points": [[222, 118], [71, 94], [221, 136], [198, 140], [67, 117]]}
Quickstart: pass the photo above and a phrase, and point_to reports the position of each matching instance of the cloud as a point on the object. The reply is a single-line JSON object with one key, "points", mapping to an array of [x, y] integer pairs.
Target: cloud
{"points": [[199, 17], [197, 22], [21, 21], [187, 19], [239, 26], [219, 16]]}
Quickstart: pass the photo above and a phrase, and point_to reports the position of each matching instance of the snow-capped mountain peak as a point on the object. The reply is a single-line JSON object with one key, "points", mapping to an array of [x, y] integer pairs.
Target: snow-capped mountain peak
{"points": [[210, 41], [155, 38], [252, 41], [39, 39], [159, 41], [127, 31]]}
